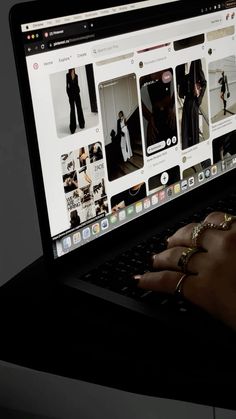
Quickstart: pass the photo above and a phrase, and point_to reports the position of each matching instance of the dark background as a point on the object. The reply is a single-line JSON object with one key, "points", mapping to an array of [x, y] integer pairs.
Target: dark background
{"points": [[20, 245], [20, 241]]}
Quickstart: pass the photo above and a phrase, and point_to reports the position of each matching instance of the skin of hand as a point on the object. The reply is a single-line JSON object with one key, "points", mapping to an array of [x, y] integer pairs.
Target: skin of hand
{"points": [[197, 89], [83, 156], [211, 279], [69, 182], [117, 207]]}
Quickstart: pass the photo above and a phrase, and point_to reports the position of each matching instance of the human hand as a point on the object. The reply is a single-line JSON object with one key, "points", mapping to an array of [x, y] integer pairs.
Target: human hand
{"points": [[210, 279], [118, 207], [197, 89], [83, 157]]}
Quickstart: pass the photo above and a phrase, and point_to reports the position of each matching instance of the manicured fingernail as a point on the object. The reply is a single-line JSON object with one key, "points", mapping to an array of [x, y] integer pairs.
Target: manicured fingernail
{"points": [[167, 242], [137, 278], [152, 258]]}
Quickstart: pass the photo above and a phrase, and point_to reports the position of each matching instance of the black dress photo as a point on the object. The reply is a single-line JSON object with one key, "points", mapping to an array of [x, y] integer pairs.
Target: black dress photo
{"points": [[73, 92], [192, 87]]}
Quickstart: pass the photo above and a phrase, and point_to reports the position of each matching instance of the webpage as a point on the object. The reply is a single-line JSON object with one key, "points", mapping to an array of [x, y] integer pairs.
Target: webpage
{"points": [[129, 122]]}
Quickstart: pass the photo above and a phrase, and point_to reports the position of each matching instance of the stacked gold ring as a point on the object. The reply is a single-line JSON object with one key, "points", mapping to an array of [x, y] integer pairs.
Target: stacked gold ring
{"points": [[178, 290], [228, 221], [196, 247], [185, 257], [199, 229]]}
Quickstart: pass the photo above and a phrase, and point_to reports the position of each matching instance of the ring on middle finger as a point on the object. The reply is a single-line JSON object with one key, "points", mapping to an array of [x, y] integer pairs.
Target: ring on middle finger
{"points": [[186, 256], [228, 220], [199, 229]]}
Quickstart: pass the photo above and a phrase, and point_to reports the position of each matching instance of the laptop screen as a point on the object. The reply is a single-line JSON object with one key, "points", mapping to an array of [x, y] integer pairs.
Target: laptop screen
{"points": [[134, 105]]}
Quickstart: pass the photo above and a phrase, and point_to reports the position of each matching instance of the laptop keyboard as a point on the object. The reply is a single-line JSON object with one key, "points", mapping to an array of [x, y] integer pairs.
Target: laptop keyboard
{"points": [[116, 275]]}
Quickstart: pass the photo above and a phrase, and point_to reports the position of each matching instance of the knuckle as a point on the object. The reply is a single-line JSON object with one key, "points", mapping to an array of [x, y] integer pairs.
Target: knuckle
{"points": [[180, 235], [166, 256], [214, 216], [189, 228]]}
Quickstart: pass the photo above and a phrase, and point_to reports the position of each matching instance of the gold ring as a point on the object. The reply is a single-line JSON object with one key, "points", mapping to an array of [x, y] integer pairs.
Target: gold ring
{"points": [[228, 221], [186, 256], [178, 290], [199, 229]]}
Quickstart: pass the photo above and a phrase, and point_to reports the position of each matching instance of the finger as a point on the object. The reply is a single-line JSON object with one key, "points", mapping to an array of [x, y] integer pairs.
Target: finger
{"points": [[193, 289], [164, 281], [206, 235], [169, 259], [224, 220], [215, 218], [182, 237]]}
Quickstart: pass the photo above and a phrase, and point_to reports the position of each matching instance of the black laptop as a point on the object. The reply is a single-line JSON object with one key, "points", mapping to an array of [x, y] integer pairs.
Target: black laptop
{"points": [[130, 114]]}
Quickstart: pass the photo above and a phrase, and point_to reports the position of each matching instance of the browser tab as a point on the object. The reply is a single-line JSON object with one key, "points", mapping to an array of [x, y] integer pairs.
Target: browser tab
{"points": [[93, 14]]}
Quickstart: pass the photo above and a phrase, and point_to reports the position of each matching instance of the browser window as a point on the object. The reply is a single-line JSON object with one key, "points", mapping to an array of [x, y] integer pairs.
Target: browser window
{"points": [[131, 112]]}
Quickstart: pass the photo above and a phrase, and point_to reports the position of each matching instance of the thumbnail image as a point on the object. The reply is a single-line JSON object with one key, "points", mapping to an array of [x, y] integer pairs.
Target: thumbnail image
{"points": [[189, 42], [197, 168], [95, 152], [68, 163], [222, 82], [164, 179], [81, 157], [70, 182], [121, 126], [74, 100], [75, 220], [99, 190], [193, 109], [128, 197], [101, 206], [158, 110], [220, 33], [84, 184], [224, 147]]}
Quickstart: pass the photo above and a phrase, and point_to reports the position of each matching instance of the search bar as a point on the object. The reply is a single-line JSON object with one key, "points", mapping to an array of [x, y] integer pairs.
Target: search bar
{"points": [[159, 35]]}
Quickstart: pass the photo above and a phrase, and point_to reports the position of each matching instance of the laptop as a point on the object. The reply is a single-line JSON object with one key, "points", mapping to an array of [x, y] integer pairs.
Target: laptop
{"points": [[129, 111]]}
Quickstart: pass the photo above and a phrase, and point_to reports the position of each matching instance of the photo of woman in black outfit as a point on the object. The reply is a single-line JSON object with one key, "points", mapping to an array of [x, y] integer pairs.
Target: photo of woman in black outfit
{"points": [[222, 88], [158, 109], [191, 87], [223, 81], [74, 100], [73, 92]]}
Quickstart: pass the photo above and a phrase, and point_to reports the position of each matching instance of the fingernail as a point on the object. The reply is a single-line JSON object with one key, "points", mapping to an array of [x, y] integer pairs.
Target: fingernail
{"points": [[152, 258], [166, 240], [137, 278]]}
